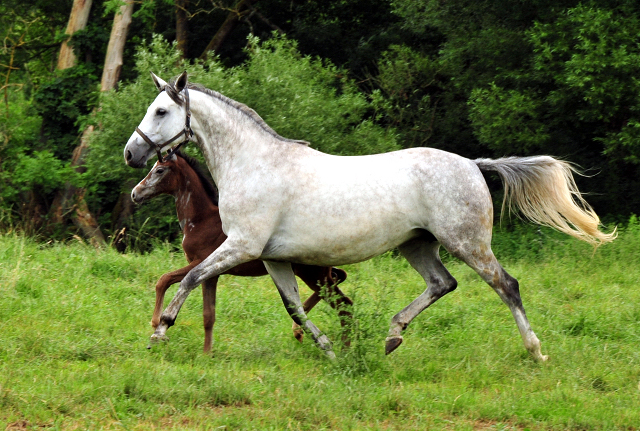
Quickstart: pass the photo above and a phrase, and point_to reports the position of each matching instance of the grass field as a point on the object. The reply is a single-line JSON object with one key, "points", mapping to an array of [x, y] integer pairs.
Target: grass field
{"points": [[74, 326]]}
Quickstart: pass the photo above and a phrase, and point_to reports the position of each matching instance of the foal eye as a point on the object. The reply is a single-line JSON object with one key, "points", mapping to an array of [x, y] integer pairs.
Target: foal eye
{"points": [[160, 112]]}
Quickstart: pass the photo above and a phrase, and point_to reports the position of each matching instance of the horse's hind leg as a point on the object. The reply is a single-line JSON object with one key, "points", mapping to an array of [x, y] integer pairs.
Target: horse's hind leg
{"points": [[487, 266], [423, 256], [209, 310]]}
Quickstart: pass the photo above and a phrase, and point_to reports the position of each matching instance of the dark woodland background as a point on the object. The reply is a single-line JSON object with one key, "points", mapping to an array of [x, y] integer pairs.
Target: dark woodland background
{"points": [[485, 78]]}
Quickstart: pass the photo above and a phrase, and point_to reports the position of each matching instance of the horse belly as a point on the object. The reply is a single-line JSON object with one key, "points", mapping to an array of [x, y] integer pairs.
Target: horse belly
{"points": [[338, 239]]}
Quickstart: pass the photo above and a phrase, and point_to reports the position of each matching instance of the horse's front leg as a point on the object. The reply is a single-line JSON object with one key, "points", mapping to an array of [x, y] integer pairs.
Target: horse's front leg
{"points": [[163, 285], [285, 281], [230, 254], [308, 305]]}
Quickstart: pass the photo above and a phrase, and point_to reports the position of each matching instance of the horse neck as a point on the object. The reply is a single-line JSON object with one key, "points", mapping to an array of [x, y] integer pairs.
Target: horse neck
{"points": [[193, 204], [230, 141]]}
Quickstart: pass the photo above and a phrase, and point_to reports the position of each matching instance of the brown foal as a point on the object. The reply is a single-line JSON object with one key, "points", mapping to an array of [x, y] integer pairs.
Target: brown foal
{"points": [[197, 206]]}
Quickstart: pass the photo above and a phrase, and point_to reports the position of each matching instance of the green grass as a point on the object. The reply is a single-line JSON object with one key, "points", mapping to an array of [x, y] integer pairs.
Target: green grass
{"points": [[74, 326]]}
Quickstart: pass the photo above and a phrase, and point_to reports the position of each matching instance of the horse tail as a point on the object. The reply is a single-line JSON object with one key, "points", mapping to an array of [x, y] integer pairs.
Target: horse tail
{"points": [[545, 192]]}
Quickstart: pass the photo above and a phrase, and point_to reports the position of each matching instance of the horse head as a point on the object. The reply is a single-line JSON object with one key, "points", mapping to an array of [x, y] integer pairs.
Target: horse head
{"points": [[167, 119]]}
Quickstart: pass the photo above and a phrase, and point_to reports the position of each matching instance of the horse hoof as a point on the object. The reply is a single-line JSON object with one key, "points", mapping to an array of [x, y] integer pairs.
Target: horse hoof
{"points": [[392, 343], [299, 334], [156, 339]]}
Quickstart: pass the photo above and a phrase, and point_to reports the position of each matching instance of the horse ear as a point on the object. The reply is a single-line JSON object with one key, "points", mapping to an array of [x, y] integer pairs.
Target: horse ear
{"points": [[181, 82], [160, 83]]}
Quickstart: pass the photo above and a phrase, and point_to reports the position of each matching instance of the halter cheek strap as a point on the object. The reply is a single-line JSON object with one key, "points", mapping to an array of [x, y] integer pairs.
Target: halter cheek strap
{"points": [[187, 132]]}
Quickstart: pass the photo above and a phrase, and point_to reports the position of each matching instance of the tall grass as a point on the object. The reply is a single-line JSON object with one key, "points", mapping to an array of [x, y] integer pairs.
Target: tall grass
{"points": [[74, 326]]}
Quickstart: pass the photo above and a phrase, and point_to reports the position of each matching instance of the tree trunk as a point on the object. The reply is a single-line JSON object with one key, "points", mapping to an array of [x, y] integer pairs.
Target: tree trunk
{"points": [[113, 60], [242, 8], [77, 21], [70, 201], [182, 26]]}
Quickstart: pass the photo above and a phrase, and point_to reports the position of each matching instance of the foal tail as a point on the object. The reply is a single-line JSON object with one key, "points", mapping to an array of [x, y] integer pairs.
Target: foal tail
{"points": [[544, 191]]}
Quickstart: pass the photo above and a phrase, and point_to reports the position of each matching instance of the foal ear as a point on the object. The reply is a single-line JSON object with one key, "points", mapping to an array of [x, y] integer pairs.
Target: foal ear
{"points": [[181, 82], [159, 82]]}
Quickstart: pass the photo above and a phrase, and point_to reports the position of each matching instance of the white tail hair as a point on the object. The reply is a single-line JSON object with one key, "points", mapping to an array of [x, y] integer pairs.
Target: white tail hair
{"points": [[545, 192]]}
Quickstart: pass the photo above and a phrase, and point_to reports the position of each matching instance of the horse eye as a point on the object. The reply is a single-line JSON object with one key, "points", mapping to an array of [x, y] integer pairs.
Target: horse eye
{"points": [[159, 170], [160, 112]]}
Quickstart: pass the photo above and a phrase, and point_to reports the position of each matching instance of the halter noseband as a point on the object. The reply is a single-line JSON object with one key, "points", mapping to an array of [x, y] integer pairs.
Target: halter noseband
{"points": [[187, 132]]}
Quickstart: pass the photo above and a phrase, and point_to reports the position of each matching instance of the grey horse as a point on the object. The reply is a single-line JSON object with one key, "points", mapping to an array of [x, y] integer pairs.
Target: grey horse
{"points": [[282, 202]]}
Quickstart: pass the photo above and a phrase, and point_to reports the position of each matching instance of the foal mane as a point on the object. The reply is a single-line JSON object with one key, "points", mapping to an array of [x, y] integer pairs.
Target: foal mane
{"points": [[209, 187], [241, 107]]}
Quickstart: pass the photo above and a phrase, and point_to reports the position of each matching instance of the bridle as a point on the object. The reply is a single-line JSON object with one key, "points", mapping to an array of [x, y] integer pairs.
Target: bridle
{"points": [[187, 132]]}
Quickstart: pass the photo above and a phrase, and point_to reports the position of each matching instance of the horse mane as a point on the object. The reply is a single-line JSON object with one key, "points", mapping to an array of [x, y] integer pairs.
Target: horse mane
{"points": [[244, 109], [209, 187]]}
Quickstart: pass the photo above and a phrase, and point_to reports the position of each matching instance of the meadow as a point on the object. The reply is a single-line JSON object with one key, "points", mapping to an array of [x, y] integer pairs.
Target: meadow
{"points": [[74, 327]]}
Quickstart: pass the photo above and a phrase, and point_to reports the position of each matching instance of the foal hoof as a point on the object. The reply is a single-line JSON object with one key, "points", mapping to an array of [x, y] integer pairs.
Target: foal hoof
{"points": [[392, 343], [299, 334]]}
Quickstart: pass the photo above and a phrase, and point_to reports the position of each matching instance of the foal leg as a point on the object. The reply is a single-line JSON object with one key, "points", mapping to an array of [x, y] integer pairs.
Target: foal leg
{"points": [[285, 281], [329, 279], [230, 254], [163, 285], [423, 256], [209, 310]]}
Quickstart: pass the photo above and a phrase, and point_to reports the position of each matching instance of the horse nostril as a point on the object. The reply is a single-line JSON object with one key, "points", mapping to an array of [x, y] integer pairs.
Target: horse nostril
{"points": [[129, 155]]}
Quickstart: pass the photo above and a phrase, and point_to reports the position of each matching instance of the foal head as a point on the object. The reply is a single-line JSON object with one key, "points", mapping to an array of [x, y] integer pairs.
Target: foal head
{"points": [[164, 177], [178, 173]]}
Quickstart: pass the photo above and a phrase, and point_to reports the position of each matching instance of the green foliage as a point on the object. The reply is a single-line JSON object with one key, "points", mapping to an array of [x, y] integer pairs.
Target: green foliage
{"points": [[305, 98], [23, 170], [41, 170], [413, 87], [591, 58], [60, 102], [507, 121]]}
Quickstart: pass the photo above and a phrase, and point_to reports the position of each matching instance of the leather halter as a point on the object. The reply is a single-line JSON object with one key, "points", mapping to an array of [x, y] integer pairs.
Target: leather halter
{"points": [[187, 132]]}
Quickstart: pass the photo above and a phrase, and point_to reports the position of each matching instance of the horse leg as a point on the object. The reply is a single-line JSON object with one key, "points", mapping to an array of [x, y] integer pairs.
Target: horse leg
{"points": [[423, 256], [209, 310], [285, 281], [487, 266], [311, 302], [230, 254], [163, 285]]}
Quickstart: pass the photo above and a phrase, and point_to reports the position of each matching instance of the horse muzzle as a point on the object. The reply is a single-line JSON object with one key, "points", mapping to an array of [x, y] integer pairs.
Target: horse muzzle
{"points": [[136, 156]]}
